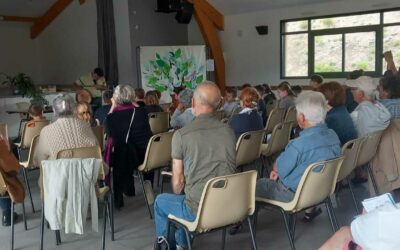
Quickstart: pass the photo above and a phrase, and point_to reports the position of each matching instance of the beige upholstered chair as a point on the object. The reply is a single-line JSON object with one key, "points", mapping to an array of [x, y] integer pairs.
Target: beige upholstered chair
{"points": [[103, 193], [159, 122], [270, 106], [275, 117], [291, 115], [367, 152], [248, 147], [99, 133], [219, 114], [22, 106], [225, 200], [29, 132], [4, 129], [350, 151], [316, 185], [158, 155], [4, 195], [29, 165]]}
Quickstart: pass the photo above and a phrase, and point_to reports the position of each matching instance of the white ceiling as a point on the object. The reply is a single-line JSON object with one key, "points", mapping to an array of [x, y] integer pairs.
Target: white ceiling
{"points": [[30, 8], [230, 7]]}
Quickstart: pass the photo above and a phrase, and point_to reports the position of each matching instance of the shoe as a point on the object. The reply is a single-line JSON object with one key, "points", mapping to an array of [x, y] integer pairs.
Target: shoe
{"points": [[148, 189], [7, 220], [161, 244], [235, 229], [359, 180], [308, 217]]}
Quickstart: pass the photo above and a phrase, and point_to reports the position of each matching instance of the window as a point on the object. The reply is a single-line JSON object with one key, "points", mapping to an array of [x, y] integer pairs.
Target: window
{"points": [[336, 45]]}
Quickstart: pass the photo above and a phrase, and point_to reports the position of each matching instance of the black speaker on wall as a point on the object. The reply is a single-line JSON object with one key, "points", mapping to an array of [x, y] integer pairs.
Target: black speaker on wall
{"points": [[262, 29], [184, 14]]}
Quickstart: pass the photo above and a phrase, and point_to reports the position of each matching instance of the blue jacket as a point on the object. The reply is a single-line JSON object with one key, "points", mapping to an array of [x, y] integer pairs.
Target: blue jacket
{"points": [[318, 143], [339, 120], [245, 122]]}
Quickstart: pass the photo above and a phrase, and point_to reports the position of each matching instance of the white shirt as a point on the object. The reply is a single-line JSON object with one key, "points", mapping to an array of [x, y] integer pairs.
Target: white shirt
{"points": [[370, 117], [378, 230]]}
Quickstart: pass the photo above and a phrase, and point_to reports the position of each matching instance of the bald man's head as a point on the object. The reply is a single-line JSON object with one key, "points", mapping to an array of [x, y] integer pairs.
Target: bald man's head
{"points": [[207, 95]]}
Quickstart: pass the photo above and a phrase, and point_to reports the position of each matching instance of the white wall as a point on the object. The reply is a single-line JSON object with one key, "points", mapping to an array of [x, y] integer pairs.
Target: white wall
{"points": [[254, 58], [18, 53], [68, 46]]}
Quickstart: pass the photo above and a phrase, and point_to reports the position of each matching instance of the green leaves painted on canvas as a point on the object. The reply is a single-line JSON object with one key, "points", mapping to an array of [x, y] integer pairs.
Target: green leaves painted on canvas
{"points": [[173, 69]]}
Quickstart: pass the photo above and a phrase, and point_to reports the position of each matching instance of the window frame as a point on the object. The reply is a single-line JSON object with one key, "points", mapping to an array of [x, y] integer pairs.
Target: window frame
{"points": [[378, 28]]}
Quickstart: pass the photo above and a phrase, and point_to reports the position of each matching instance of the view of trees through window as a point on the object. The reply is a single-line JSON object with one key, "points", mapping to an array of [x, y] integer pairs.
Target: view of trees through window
{"points": [[334, 46]]}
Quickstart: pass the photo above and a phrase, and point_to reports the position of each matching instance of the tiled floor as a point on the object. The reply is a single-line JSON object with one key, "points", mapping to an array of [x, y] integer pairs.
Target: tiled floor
{"points": [[134, 229]]}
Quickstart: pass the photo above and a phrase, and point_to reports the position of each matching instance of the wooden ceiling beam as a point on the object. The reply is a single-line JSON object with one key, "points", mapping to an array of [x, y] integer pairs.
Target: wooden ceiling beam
{"points": [[42, 22], [18, 19], [212, 13]]}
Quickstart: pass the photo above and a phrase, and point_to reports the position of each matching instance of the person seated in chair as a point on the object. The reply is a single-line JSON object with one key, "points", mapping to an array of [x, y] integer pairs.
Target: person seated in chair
{"points": [[316, 143], [230, 103], [201, 150], [101, 113], [183, 114]]}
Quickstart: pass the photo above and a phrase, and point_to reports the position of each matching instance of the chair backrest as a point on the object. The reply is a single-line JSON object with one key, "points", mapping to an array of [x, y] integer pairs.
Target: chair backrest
{"points": [[220, 114], [226, 200], [350, 151], [23, 105], [31, 131], [275, 117], [236, 111], [99, 133], [270, 106], [369, 147], [316, 184], [4, 129], [32, 149], [291, 115], [279, 138], [248, 147], [159, 122], [158, 152]]}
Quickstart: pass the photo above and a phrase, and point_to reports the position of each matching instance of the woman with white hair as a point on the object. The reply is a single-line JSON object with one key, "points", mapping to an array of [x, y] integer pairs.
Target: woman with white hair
{"points": [[128, 130], [67, 131], [183, 113]]}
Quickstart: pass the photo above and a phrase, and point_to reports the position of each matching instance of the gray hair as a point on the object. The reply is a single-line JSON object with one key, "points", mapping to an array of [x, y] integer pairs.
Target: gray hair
{"points": [[63, 105], [210, 97], [313, 106], [185, 98], [124, 94]]}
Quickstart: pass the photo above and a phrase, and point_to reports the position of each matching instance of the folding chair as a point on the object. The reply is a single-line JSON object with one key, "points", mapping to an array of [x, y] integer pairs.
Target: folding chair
{"points": [[248, 147], [159, 122], [291, 116], [274, 118]]}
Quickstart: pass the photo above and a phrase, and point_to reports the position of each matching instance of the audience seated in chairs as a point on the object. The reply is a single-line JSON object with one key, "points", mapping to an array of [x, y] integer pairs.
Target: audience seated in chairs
{"points": [[139, 97], [230, 102], [83, 111], [287, 97], [248, 119], [338, 118], [201, 150], [128, 131], [316, 143], [183, 114], [101, 113], [35, 113], [389, 94], [152, 102]]}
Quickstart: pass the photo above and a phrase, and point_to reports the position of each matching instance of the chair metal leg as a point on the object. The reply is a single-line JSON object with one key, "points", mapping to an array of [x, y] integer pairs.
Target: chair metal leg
{"points": [[288, 229], [58, 237], [352, 195], [24, 215], [332, 218], [104, 228], [12, 225], [28, 187], [188, 239], [161, 183], [42, 227], [252, 234], [111, 215], [144, 194], [293, 219], [255, 217], [371, 175], [223, 238]]}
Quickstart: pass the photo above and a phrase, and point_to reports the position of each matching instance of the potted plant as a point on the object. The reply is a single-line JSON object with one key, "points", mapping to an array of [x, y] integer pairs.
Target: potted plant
{"points": [[22, 84]]}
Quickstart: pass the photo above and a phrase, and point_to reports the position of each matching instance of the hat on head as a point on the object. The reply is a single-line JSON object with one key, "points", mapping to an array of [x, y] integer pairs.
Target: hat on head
{"points": [[364, 83]]}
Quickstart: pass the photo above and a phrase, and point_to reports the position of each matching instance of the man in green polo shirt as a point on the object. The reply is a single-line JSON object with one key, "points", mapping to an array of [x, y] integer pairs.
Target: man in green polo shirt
{"points": [[203, 149], [95, 83]]}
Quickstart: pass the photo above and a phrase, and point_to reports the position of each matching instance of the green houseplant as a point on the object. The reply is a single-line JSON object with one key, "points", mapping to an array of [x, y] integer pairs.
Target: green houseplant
{"points": [[22, 84]]}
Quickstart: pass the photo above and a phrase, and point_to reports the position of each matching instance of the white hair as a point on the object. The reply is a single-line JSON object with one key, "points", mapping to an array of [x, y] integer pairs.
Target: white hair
{"points": [[124, 94], [313, 106], [63, 105], [212, 100]]}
